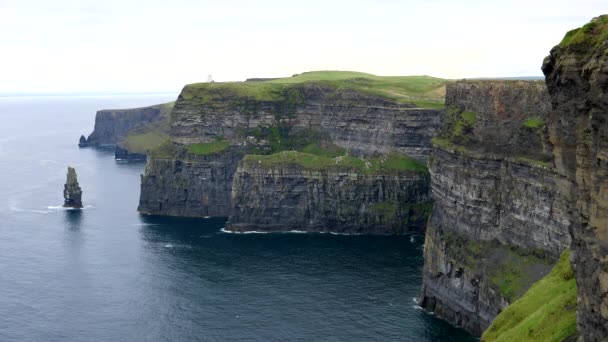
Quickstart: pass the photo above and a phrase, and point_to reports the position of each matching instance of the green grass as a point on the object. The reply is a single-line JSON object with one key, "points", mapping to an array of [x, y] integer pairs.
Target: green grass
{"points": [[393, 163], [143, 142], [534, 123], [589, 36], [546, 312], [149, 136], [324, 150], [422, 91], [203, 149]]}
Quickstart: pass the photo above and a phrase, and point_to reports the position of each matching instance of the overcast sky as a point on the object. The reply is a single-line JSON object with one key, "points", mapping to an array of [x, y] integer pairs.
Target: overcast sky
{"points": [[139, 46]]}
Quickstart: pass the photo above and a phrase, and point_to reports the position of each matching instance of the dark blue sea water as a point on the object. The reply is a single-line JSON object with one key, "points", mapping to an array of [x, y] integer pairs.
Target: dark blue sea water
{"points": [[106, 273]]}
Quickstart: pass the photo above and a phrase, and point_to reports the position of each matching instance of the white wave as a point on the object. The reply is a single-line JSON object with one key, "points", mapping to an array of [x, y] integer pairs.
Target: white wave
{"points": [[62, 208], [224, 230], [169, 245], [418, 307], [19, 210], [294, 231], [207, 217]]}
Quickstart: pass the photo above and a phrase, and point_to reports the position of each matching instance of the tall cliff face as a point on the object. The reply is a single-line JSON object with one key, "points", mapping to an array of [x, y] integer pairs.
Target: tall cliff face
{"points": [[178, 183], [279, 193], [364, 124], [500, 217], [266, 118], [577, 77]]}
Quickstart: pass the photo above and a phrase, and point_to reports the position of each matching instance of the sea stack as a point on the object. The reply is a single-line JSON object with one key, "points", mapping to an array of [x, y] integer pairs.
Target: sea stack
{"points": [[83, 142], [71, 191]]}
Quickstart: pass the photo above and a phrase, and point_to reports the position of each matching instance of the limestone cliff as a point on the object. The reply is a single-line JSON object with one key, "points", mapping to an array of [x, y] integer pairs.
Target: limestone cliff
{"points": [[362, 123], [500, 217], [281, 193], [214, 125], [577, 77], [179, 183]]}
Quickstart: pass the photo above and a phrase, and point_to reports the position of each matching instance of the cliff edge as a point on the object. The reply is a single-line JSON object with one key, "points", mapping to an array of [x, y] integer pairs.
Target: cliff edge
{"points": [[500, 219], [577, 77]]}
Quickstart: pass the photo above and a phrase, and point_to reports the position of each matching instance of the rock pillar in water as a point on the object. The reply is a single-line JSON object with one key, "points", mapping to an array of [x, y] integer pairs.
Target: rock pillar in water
{"points": [[71, 191]]}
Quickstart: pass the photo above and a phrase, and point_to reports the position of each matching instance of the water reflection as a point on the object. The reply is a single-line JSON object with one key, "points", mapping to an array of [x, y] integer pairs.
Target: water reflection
{"points": [[73, 219]]}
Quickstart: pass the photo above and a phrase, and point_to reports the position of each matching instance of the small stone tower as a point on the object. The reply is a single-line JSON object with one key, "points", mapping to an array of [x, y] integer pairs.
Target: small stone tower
{"points": [[71, 191]]}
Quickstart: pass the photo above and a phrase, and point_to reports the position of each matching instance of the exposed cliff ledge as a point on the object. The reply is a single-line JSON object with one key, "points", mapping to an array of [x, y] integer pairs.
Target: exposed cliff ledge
{"points": [[577, 77], [500, 217], [282, 193]]}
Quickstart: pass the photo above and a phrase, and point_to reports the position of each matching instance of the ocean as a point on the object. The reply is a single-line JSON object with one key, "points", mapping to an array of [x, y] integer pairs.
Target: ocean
{"points": [[106, 273]]}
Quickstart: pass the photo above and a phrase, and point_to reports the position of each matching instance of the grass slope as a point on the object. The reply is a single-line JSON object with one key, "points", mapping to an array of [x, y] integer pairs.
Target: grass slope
{"points": [[591, 35], [546, 312], [393, 163], [423, 91]]}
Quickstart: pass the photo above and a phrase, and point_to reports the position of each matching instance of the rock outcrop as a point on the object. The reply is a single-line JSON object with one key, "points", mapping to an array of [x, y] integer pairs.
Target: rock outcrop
{"points": [[577, 77], [83, 142], [278, 193], [500, 218], [132, 132], [72, 193], [191, 177]]}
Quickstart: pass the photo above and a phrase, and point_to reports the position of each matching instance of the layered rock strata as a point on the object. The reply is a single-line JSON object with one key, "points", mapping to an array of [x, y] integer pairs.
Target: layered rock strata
{"points": [[500, 218], [577, 77], [191, 183], [363, 124], [178, 183], [288, 196]]}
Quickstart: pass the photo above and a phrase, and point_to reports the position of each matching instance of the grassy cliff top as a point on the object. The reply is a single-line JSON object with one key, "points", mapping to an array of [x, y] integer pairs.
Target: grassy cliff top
{"points": [[546, 312], [423, 91], [590, 35], [392, 163]]}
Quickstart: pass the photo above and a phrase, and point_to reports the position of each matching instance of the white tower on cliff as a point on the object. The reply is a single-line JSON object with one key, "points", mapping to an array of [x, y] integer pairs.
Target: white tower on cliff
{"points": [[209, 78]]}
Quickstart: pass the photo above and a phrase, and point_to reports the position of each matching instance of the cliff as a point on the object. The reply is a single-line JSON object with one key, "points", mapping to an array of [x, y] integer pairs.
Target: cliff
{"points": [[360, 122], [179, 183], [577, 78], [131, 131], [299, 191], [214, 125], [500, 218]]}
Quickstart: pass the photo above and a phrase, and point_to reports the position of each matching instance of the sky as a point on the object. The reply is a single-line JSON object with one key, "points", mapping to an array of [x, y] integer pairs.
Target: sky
{"points": [[64, 46]]}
